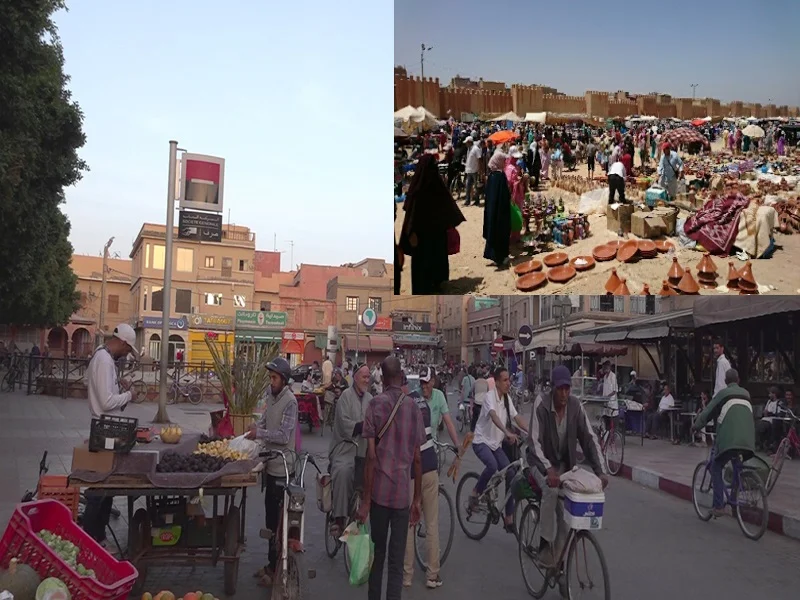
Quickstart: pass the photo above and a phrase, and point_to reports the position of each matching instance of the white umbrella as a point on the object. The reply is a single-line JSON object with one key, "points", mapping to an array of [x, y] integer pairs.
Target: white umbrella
{"points": [[753, 131], [509, 116]]}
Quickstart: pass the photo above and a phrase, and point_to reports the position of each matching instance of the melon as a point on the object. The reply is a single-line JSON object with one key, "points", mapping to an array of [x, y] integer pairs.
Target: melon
{"points": [[20, 580], [52, 589]]}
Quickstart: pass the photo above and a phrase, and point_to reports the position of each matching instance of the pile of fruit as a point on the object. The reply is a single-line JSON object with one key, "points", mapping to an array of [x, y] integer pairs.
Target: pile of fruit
{"points": [[204, 439], [172, 462], [66, 550], [220, 448], [171, 434], [167, 595]]}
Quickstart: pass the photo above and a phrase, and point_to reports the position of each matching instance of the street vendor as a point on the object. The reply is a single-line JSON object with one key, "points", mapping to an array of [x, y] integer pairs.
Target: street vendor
{"points": [[343, 455], [276, 430], [670, 170], [107, 395]]}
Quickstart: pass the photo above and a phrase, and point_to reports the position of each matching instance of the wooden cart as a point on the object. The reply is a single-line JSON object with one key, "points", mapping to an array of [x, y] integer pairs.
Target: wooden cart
{"points": [[220, 540]]}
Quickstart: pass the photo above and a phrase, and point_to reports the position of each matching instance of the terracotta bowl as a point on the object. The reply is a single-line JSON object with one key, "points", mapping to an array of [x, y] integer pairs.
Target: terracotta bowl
{"points": [[647, 247], [604, 253], [561, 274], [528, 267], [531, 281], [627, 252], [555, 259], [578, 267], [663, 246], [615, 244]]}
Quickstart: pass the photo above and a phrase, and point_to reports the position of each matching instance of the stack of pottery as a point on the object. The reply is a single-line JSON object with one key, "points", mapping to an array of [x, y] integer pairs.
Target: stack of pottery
{"points": [[747, 283], [733, 277], [675, 273], [647, 249], [613, 282], [622, 289], [666, 289], [646, 290], [707, 272], [687, 284]]}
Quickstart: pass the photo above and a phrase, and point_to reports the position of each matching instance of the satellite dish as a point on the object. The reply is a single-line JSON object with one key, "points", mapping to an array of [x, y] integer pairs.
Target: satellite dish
{"points": [[364, 272]]}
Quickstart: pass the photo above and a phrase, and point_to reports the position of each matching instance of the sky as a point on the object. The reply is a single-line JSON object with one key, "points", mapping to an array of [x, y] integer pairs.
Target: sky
{"points": [[733, 49], [295, 104]]}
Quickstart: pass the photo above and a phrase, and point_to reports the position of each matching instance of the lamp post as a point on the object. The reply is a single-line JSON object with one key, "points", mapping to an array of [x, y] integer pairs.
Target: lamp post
{"points": [[562, 307], [694, 89], [422, 68]]}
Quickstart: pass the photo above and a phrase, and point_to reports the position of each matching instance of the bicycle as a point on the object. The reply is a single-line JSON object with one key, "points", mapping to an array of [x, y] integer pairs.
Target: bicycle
{"points": [[333, 542], [329, 411], [464, 416], [190, 391], [420, 530], [487, 502], [612, 442], [791, 440], [569, 562], [743, 481], [13, 377]]}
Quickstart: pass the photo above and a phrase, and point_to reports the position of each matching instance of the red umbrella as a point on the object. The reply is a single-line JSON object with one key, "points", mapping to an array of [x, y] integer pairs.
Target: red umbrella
{"points": [[684, 136], [698, 122], [501, 137]]}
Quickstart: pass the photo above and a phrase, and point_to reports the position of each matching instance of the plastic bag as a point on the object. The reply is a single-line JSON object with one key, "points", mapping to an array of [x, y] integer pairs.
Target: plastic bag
{"points": [[361, 551], [516, 218], [581, 481], [248, 447], [594, 202]]}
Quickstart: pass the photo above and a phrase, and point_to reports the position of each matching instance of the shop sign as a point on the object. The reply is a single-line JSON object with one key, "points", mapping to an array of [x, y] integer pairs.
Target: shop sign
{"points": [[202, 182], [411, 327], [260, 319], [179, 323], [383, 324], [294, 335], [199, 226], [211, 322]]}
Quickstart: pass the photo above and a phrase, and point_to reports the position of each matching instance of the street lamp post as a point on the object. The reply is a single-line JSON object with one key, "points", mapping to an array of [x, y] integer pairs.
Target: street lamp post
{"points": [[422, 68], [562, 307], [694, 89]]}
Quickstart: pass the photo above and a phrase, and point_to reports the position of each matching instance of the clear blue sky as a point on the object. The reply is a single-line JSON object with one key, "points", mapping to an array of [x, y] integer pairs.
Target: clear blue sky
{"points": [[734, 49], [273, 87]]}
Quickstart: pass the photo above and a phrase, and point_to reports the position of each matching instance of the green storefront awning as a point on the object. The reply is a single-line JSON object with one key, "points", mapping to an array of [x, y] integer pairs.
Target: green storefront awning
{"points": [[259, 336]]}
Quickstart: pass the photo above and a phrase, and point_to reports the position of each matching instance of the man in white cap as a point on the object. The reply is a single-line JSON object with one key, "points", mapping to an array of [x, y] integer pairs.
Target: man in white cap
{"points": [[107, 394], [472, 167]]}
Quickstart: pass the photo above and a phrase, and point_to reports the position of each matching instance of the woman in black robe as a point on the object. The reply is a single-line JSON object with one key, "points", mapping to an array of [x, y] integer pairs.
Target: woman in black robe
{"points": [[497, 214], [430, 212]]}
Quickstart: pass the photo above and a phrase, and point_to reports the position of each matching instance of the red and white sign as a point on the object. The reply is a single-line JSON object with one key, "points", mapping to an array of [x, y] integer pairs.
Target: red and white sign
{"points": [[202, 182], [383, 324], [497, 345], [294, 335]]}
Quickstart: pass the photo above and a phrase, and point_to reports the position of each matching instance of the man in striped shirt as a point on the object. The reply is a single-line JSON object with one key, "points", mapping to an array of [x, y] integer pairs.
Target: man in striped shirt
{"points": [[394, 430]]}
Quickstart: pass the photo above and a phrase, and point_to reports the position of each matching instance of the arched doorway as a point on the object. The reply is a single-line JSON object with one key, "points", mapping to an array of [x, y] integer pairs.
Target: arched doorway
{"points": [[57, 342], [154, 347], [176, 343], [81, 342], [312, 353]]}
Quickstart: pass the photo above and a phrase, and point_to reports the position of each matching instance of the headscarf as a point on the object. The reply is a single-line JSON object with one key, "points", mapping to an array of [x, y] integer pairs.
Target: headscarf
{"points": [[666, 147], [498, 161], [429, 206]]}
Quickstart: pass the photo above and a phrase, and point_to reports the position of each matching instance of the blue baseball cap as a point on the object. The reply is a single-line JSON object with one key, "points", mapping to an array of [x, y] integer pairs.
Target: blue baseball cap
{"points": [[561, 377]]}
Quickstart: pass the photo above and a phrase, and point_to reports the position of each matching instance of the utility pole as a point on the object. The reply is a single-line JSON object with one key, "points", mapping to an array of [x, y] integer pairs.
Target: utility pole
{"points": [[694, 89], [100, 331], [291, 253], [166, 302], [422, 68]]}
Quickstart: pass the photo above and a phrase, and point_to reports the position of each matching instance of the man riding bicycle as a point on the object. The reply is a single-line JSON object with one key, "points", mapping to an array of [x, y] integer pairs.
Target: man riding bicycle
{"points": [[736, 431], [558, 423]]}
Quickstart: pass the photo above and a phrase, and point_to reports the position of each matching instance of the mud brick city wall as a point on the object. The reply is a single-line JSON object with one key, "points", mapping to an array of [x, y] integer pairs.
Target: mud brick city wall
{"points": [[522, 99]]}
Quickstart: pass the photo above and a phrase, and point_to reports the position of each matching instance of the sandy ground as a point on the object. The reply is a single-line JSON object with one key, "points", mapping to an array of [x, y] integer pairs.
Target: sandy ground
{"points": [[471, 273]]}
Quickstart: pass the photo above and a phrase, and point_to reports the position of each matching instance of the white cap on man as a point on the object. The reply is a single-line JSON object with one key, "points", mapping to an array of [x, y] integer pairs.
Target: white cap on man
{"points": [[426, 374], [633, 373], [125, 332]]}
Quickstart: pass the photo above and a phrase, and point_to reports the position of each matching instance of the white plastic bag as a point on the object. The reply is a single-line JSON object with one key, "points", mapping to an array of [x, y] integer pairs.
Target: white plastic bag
{"points": [[581, 481], [594, 202], [249, 447]]}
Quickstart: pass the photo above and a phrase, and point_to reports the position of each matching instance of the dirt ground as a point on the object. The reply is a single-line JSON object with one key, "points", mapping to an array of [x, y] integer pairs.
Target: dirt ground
{"points": [[470, 273]]}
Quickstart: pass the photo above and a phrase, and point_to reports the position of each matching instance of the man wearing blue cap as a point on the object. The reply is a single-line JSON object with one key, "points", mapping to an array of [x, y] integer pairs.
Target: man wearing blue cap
{"points": [[558, 424]]}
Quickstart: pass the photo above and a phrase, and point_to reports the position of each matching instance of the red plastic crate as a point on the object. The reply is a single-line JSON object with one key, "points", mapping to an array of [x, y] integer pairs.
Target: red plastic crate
{"points": [[115, 578], [56, 487]]}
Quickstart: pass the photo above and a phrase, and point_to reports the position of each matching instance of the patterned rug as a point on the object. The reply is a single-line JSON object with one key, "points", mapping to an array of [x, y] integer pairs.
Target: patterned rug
{"points": [[715, 226]]}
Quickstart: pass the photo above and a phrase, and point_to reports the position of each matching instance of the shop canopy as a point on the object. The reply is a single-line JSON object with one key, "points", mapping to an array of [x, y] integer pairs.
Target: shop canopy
{"points": [[509, 116], [539, 117], [370, 342], [588, 349], [639, 330], [709, 311]]}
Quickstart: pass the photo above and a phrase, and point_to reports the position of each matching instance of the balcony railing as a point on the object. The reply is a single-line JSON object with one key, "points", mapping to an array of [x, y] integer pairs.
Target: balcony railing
{"points": [[231, 235]]}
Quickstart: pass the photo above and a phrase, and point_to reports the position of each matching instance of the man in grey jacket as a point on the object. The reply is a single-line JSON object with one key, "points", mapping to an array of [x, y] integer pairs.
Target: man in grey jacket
{"points": [[558, 424]]}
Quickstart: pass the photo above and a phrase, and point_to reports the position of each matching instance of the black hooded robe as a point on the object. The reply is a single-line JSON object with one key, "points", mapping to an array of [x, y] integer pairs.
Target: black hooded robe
{"points": [[497, 218]]}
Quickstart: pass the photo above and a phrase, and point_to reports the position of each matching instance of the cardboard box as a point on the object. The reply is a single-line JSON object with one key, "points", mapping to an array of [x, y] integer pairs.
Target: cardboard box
{"points": [[646, 225], [83, 460], [670, 216], [618, 216]]}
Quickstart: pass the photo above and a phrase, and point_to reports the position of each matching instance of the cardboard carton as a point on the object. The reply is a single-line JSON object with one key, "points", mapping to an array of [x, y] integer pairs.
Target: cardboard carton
{"points": [[83, 460], [618, 216], [647, 225]]}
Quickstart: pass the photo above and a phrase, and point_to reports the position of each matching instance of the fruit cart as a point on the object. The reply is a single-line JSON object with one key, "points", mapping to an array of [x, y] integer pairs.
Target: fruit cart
{"points": [[190, 516]]}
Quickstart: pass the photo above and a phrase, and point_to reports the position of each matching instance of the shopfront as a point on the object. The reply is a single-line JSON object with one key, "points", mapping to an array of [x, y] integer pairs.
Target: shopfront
{"points": [[416, 342], [293, 345], [148, 336], [221, 326], [370, 346], [259, 328]]}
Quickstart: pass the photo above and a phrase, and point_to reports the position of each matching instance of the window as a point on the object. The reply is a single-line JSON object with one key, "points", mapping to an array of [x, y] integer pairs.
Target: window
{"points": [[113, 304], [375, 304], [608, 303], [545, 309], [209, 262], [266, 305], [183, 301], [144, 303], [242, 265], [158, 299], [239, 301], [184, 260], [290, 315], [227, 266], [213, 299], [320, 317], [158, 257], [645, 305], [147, 256], [351, 304]]}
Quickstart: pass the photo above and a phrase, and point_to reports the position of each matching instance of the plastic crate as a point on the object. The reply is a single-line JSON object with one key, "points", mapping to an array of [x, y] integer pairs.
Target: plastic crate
{"points": [[113, 433], [55, 487], [583, 511], [114, 579]]}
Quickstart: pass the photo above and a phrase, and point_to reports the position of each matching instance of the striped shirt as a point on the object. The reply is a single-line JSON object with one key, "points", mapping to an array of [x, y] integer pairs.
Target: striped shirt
{"points": [[395, 451]]}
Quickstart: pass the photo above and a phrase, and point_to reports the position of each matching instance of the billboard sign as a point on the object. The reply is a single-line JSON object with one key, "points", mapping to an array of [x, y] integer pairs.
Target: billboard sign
{"points": [[199, 226], [260, 319], [179, 323], [202, 182]]}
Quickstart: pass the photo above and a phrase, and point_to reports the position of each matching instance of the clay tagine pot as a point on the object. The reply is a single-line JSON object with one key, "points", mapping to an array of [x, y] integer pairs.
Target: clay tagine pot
{"points": [[706, 265], [646, 290], [733, 276], [746, 276], [613, 282], [666, 290], [675, 271], [688, 285], [622, 289]]}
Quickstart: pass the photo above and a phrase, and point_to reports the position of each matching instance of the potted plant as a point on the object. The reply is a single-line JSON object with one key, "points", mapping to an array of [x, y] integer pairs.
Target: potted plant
{"points": [[244, 378]]}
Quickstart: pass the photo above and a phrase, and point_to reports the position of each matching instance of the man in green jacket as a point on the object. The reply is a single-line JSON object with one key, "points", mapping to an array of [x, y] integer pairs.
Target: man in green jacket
{"points": [[735, 431]]}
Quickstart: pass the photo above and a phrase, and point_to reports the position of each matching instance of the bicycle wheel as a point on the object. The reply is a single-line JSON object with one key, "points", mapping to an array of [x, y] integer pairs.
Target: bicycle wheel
{"points": [[476, 516], [332, 544], [8, 382], [533, 575], [172, 395], [446, 530], [139, 390], [615, 452], [355, 504], [195, 394], [702, 495], [296, 576], [462, 420], [578, 568], [751, 507], [777, 464]]}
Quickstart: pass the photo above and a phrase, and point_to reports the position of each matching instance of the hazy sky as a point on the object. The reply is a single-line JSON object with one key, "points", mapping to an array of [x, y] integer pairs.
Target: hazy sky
{"points": [[286, 92], [734, 49]]}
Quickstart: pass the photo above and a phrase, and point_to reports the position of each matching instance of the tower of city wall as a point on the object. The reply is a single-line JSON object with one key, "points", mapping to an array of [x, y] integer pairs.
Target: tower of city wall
{"points": [[408, 91], [683, 108], [597, 104]]}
